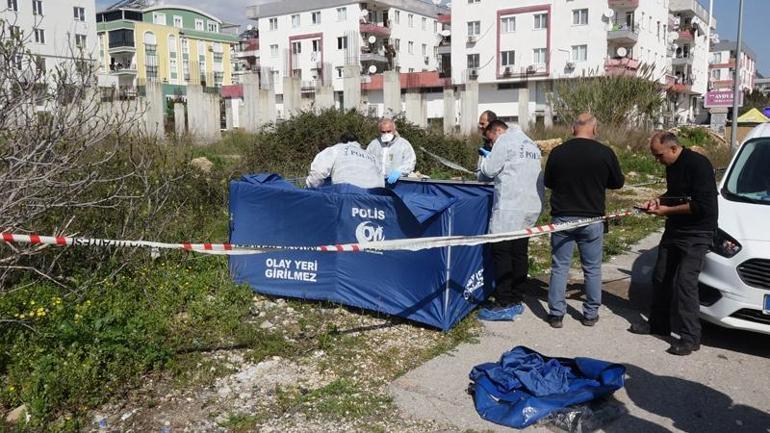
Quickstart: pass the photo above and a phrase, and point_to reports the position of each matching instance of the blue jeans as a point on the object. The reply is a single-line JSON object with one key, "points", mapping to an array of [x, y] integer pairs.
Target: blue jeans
{"points": [[589, 240]]}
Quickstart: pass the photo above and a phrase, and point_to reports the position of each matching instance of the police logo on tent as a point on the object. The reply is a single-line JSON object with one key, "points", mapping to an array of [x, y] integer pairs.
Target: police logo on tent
{"points": [[367, 231]]}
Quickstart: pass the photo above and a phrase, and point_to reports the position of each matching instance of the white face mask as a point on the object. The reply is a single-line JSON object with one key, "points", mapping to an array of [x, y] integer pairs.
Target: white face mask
{"points": [[387, 138]]}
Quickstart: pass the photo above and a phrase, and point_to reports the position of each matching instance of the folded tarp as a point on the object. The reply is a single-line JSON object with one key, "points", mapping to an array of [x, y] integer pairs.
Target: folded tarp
{"points": [[525, 386], [437, 286]]}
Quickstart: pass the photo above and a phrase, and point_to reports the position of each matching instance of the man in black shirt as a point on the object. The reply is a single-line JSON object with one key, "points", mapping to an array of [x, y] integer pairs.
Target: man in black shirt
{"points": [[578, 173], [690, 207]]}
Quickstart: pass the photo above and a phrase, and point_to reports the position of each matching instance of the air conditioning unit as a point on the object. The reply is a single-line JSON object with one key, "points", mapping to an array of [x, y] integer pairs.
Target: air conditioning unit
{"points": [[473, 73], [508, 71], [531, 69], [427, 60], [570, 66], [472, 39]]}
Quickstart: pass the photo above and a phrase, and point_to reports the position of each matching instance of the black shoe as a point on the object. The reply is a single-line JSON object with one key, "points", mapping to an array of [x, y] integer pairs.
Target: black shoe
{"points": [[555, 321], [683, 349], [589, 322], [645, 329]]}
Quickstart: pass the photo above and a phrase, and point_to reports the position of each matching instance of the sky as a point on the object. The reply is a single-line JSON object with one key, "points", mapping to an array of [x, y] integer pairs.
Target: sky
{"points": [[755, 16]]}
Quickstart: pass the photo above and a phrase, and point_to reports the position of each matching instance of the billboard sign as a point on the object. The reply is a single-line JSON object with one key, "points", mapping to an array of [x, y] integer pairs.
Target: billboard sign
{"points": [[721, 99]]}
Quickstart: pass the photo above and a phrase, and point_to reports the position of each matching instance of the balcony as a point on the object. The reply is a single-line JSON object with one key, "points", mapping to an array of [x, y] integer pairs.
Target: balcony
{"points": [[373, 57], [374, 29], [682, 84], [120, 70], [623, 33], [629, 4], [621, 66], [681, 60], [730, 64], [685, 36]]}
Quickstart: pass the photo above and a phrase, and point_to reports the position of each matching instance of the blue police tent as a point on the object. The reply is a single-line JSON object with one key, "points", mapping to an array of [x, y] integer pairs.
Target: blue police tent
{"points": [[437, 286]]}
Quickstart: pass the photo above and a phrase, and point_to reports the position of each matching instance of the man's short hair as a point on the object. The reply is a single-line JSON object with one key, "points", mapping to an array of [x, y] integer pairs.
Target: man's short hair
{"points": [[385, 120], [497, 123], [668, 139], [347, 137], [584, 119], [491, 116]]}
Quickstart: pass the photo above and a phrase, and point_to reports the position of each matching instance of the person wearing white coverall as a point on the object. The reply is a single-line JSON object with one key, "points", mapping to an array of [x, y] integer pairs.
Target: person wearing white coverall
{"points": [[514, 165], [393, 152], [345, 162]]}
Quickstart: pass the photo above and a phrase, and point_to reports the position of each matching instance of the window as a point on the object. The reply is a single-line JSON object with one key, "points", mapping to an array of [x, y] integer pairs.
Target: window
{"points": [[541, 21], [296, 47], [579, 17], [397, 44], [40, 64], [424, 23], [296, 73], [658, 30], [716, 74], [342, 14], [212, 27], [538, 56], [473, 1], [411, 70], [39, 36], [199, 24], [473, 61], [185, 46], [159, 18], [342, 43], [37, 7], [15, 32], [186, 59], [508, 58], [411, 20], [410, 46], [508, 24], [316, 45], [172, 45], [315, 17], [13, 5], [150, 56], [80, 41], [579, 53], [717, 58], [273, 23], [338, 69], [397, 17], [173, 67], [295, 20], [274, 50], [424, 50], [474, 28], [80, 13], [178, 23]]}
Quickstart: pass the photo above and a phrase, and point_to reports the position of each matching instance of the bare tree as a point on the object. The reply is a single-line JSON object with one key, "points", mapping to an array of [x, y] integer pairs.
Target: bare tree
{"points": [[61, 147]]}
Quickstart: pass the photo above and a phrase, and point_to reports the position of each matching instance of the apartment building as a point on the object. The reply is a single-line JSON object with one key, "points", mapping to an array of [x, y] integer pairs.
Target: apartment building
{"points": [[315, 41], [175, 45], [722, 66], [54, 30], [245, 55]]}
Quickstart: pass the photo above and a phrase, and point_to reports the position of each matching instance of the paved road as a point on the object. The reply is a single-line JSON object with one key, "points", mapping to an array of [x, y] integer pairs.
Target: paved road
{"points": [[725, 387]]}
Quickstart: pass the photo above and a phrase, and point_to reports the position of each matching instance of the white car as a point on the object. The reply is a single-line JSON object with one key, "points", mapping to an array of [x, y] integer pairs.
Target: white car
{"points": [[735, 281]]}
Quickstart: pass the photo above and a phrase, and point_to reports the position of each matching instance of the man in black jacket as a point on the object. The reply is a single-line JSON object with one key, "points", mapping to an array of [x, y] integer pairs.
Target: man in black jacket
{"points": [[690, 207], [578, 173]]}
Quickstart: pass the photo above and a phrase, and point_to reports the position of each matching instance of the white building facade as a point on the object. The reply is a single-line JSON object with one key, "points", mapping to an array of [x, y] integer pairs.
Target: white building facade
{"points": [[722, 66], [316, 40], [55, 30], [515, 50]]}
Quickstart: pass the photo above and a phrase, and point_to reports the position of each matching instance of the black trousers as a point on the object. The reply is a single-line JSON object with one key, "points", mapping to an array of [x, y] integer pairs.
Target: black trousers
{"points": [[675, 301], [511, 259]]}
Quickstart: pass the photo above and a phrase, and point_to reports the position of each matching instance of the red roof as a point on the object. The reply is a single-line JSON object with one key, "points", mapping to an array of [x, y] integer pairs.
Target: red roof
{"points": [[410, 80], [445, 19]]}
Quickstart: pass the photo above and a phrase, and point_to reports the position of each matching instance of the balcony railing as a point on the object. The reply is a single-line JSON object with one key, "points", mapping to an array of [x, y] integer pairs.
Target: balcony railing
{"points": [[623, 3], [120, 69], [373, 57], [622, 32], [686, 35], [621, 66], [374, 29]]}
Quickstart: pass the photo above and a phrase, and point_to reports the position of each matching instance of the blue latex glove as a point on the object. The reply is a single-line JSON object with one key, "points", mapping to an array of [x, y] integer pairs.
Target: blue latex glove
{"points": [[483, 152], [393, 176]]}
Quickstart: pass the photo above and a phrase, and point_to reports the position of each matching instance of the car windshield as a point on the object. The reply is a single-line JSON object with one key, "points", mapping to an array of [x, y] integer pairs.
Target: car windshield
{"points": [[749, 178]]}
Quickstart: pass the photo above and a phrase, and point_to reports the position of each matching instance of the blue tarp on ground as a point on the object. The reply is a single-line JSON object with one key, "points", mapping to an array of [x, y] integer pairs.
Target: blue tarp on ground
{"points": [[437, 287], [525, 386]]}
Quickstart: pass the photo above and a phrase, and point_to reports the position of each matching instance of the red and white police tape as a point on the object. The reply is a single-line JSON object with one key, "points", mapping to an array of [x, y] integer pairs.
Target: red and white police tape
{"points": [[414, 244]]}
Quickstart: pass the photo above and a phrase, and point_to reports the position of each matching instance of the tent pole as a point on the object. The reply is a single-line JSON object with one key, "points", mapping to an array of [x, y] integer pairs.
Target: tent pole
{"points": [[448, 263]]}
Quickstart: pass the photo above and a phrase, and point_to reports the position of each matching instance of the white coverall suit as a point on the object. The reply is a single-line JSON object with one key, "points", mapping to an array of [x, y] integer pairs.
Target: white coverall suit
{"points": [[345, 163], [396, 155]]}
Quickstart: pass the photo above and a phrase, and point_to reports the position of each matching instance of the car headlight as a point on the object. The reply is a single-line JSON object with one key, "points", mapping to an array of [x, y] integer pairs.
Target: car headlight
{"points": [[725, 245]]}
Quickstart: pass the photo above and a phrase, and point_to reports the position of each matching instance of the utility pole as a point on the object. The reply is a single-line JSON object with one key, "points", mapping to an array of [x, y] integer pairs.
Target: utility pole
{"points": [[736, 82]]}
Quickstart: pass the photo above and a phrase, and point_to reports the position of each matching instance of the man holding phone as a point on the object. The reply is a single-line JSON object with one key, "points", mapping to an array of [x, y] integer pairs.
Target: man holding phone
{"points": [[690, 207]]}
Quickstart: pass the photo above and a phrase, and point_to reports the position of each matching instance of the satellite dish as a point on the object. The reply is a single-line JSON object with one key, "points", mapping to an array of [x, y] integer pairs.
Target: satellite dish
{"points": [[364, 13], [249, 27], [372, 69], [445, 33], [621, 51], [609, 13], [372, 39], [436, 2]]}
